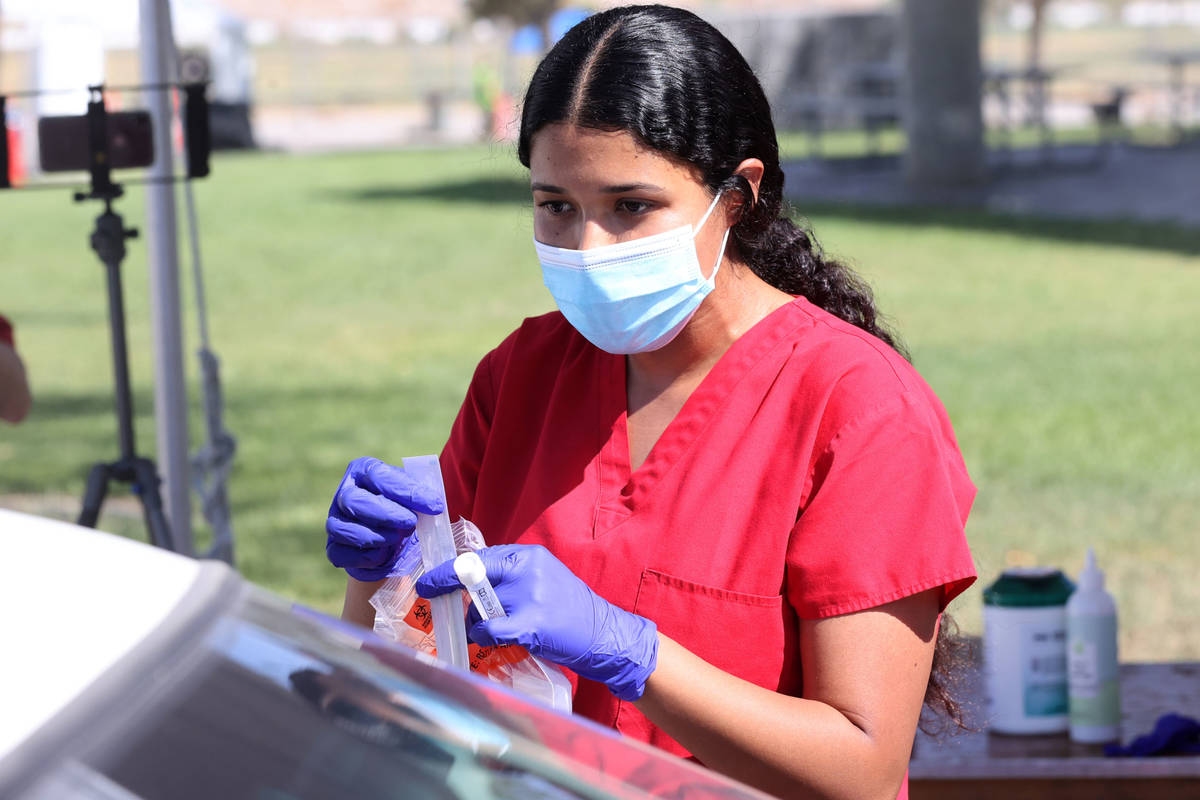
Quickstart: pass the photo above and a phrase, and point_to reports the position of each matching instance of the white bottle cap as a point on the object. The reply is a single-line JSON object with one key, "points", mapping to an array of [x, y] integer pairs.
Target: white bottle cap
{"points": [[470, 569], [1091, 579]]}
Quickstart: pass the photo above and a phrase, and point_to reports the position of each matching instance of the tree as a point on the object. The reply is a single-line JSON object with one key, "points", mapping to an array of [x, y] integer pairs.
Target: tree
{"points": [[1037, 94], [519, 13]]}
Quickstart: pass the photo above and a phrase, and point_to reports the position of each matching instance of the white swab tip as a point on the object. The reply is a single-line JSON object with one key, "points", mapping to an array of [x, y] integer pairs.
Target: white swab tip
{"points": [[469, 569]]}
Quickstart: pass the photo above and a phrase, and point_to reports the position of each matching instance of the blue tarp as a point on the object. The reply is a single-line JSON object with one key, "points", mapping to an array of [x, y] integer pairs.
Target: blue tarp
{"points": [[528, 40]]}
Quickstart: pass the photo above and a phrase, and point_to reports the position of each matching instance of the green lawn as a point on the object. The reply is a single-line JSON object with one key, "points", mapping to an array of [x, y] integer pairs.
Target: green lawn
{"points": [[351, 296]]}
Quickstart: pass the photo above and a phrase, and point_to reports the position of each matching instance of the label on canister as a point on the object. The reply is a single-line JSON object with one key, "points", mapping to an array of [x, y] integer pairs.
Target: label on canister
{"points": [[1044, 668], [1025, 651]]}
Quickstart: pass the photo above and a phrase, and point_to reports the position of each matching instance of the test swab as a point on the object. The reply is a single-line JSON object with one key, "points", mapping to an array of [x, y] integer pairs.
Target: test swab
{"points": [[541, 680], [473, 575]]}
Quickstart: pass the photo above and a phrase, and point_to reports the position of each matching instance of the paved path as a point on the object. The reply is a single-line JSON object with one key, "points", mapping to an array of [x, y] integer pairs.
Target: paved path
{"points": [[309, 129], [1132, 183]]}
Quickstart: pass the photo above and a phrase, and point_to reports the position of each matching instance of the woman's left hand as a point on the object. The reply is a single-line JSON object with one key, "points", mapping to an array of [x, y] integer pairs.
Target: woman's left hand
{"points": [[554, 615]]}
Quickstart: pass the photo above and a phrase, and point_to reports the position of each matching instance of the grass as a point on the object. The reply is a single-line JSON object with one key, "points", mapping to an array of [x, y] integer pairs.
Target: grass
{"points": [[351, 296]]}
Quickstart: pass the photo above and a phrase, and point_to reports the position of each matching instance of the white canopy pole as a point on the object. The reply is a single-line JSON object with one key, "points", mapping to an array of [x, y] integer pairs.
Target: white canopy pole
{"points": [[170, 391]]}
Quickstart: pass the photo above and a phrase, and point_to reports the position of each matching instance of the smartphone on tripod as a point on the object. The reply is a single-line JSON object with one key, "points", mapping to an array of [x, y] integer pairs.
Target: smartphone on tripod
{"points": [[63, 141]]}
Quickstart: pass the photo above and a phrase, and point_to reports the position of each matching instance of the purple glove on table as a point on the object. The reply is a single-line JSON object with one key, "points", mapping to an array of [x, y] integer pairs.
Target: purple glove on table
{"points": [[554, 615], [1173, 734], [372, 516]]}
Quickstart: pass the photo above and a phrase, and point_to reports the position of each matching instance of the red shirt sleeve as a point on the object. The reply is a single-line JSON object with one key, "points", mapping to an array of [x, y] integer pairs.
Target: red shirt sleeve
{"points": [[462, 456], [885, 516], [6, 332]]}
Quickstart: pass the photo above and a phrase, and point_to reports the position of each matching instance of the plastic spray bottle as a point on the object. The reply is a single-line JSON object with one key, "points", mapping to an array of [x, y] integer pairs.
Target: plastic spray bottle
{"points": [[1093, 679]]}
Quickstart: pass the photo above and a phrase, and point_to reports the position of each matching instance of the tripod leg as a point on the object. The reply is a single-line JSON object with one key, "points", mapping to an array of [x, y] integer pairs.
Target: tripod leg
{"points": [[146, 483], [93, 496]]}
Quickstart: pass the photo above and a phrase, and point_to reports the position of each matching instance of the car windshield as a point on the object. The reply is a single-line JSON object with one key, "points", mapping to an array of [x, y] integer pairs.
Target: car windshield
{"points": [[272, 702]]}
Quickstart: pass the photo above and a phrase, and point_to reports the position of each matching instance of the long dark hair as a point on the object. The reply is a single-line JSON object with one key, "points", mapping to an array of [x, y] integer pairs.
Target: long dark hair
{"points": [[680, 87]]}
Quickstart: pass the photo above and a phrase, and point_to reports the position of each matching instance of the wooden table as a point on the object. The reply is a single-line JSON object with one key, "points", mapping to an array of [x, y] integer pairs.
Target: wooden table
{"points": [[982, 765]]}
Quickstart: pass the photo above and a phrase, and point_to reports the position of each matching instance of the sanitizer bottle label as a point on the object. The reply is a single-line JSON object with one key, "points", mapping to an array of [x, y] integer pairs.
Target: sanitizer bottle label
{"points": [[1091, 661]]}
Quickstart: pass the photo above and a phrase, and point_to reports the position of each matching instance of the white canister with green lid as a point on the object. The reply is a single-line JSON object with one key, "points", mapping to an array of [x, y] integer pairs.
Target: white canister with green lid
{"points": [[1025, 651]]}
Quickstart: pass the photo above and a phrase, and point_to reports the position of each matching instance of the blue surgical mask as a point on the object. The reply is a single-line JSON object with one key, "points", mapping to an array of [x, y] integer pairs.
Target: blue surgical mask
{"points": [[635, 296]]}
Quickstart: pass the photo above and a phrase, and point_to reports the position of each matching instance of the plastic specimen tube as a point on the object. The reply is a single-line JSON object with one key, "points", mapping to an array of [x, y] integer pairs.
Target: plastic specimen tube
{"points": [[470, 570], [540, 680], [437, 547]]}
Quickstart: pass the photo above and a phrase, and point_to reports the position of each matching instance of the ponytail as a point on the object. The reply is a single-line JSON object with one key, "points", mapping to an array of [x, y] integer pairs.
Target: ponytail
{"points": [[788, 257]]}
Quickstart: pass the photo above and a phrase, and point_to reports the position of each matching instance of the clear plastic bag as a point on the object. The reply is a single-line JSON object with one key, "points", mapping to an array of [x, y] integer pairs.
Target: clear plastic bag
{"points": [[404, 617]]}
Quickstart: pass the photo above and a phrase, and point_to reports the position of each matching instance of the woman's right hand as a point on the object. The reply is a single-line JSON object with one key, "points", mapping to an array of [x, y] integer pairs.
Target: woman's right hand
{"points": [[372, 515]]}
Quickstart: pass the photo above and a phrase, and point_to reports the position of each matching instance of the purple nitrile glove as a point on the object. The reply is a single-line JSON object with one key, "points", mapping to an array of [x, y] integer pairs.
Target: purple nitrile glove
{"points": [[1173, 734], [372, 516], [554, 615]]}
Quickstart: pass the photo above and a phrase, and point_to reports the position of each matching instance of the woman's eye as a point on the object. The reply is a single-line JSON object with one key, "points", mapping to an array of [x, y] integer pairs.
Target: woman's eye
{"points": [[555, 206], [633, 206]]}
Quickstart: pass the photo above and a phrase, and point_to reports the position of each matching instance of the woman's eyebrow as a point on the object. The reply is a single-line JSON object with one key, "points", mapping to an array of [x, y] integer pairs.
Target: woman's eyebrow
{"points": [[618, 189], [632, 187]]}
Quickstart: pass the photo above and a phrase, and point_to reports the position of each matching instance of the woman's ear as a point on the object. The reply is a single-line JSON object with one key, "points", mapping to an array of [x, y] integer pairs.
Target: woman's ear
{"points": [[752, 170]]}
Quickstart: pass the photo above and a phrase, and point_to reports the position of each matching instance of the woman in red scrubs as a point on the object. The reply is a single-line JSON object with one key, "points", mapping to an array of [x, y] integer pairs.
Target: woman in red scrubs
{"points": [[711, 485]]}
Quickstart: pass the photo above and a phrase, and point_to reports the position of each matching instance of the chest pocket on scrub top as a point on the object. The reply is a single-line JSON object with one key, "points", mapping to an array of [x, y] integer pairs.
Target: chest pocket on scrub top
{"points": [[748, 635]]}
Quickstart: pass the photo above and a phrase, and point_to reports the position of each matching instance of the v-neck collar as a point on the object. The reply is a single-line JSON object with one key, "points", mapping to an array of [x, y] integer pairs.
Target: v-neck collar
{"points": [[621, 489]]}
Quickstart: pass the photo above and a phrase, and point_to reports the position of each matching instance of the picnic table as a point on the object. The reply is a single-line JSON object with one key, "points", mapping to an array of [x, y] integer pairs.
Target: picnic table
{"points": [[1176, 62], [981, 765], [1035, 83], [870, 98]]}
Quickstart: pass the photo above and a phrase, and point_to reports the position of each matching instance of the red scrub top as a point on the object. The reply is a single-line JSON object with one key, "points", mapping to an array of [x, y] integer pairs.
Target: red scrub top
{"points": [[812, 473]]}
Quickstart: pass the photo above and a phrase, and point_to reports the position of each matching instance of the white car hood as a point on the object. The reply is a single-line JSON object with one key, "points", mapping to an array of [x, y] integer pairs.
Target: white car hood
{"points": [[72, 602]]}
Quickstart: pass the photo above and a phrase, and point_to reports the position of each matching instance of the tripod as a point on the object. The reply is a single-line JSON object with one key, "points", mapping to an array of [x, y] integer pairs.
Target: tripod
{"points": [[108, 241]]}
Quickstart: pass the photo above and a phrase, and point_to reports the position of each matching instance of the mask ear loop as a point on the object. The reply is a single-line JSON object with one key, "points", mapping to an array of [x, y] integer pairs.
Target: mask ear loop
{"points": [[707, 214], [712, 279]]}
